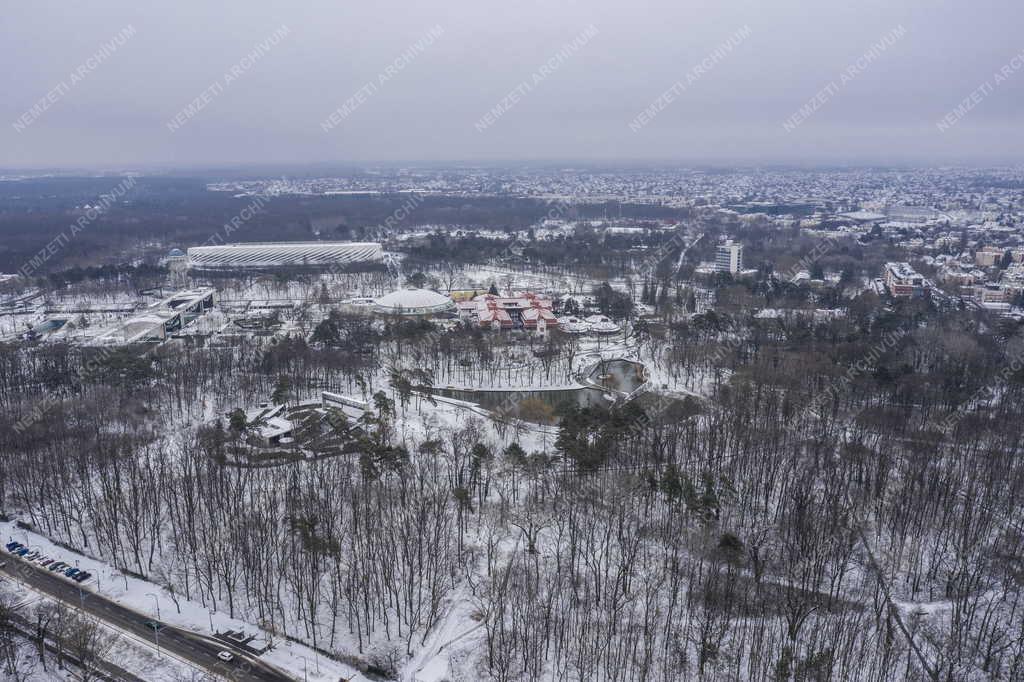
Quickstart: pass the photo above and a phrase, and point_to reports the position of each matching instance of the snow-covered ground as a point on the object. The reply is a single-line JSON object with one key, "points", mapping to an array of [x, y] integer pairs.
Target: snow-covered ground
{"points": [[135, 594], [32, 668], [126, 651], [450, 643]]}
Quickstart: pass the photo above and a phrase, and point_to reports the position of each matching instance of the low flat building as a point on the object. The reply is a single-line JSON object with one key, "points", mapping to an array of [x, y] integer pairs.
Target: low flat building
{"points": [[159, 320], [991, 293], [903, 281], [988, 256]]}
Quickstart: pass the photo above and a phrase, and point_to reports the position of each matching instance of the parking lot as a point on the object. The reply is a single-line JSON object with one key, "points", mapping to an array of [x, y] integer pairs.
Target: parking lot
{"points": [[55, 566]]}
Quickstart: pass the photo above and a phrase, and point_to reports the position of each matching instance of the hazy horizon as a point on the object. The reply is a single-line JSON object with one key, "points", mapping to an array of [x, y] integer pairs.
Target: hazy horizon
{"points": [[193, 86]]}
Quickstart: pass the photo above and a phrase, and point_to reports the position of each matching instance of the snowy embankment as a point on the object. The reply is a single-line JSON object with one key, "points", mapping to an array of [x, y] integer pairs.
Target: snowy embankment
{"points": [[126, 652], [136, 594]]}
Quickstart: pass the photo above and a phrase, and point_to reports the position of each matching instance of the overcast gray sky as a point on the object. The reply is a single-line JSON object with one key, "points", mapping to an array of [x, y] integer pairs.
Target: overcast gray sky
{"points": [[116, 113]]}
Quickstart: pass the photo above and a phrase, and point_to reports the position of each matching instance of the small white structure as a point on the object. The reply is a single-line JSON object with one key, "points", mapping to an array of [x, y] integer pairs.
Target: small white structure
{"points": [[574, 325], [330, 399], [599, 324], [274, 430]]}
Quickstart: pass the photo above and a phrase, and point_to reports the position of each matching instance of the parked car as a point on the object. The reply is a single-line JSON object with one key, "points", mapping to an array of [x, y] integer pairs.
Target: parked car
{"points": [[46, 562], [12, 546], [57, 566], [83, 576], [22, 552], [71, 572]]}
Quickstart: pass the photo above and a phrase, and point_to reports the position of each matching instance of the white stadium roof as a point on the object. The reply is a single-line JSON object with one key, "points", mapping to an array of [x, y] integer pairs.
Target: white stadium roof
{"points": [[413, 302], [277, 254]]}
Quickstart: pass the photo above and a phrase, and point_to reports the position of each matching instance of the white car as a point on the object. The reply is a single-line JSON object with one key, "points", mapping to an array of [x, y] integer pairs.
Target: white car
{"points": [[225, 656]]}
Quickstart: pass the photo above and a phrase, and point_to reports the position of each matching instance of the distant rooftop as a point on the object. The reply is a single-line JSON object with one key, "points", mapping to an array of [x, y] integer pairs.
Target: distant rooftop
{"points": [[901, 269]]}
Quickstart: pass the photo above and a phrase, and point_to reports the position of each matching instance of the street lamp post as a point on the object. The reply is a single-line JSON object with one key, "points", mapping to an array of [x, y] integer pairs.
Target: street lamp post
{"points": [[156, 625], [157, 600]]}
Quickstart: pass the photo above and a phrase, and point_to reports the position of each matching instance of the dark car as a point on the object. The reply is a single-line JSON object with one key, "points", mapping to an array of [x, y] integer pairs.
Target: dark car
{"points": [[12, 546], [71, 572], [83, 576]]}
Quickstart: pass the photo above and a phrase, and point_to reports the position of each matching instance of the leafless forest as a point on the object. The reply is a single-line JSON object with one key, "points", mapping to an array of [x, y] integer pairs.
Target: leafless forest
{"points": [[842, 504]]}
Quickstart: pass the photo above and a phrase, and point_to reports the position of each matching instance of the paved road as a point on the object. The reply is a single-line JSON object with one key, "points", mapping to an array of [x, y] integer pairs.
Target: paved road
{"points": [[195, 648]]}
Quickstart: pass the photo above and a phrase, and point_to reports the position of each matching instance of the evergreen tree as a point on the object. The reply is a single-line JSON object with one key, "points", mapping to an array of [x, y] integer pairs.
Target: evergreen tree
{"points": [[281, 391]]}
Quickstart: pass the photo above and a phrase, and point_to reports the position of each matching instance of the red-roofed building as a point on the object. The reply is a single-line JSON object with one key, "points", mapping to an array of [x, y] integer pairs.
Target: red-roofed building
{"points": [[493, 317], [527, 310], [539, 318]]}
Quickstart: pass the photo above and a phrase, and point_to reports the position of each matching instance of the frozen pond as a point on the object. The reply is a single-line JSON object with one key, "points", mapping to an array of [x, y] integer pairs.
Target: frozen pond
{"points": [[606, 382]]}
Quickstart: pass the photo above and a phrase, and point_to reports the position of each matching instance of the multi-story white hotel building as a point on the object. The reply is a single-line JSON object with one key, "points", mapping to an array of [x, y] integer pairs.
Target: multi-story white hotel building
{"points": [[729, 257]]}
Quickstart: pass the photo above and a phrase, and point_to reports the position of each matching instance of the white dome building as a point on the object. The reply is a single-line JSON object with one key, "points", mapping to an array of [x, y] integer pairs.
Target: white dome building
{"points": [[413, 302]]}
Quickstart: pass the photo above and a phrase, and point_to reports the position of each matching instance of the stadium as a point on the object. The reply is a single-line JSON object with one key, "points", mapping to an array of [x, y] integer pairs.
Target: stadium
{"points": [[284, 254]]}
